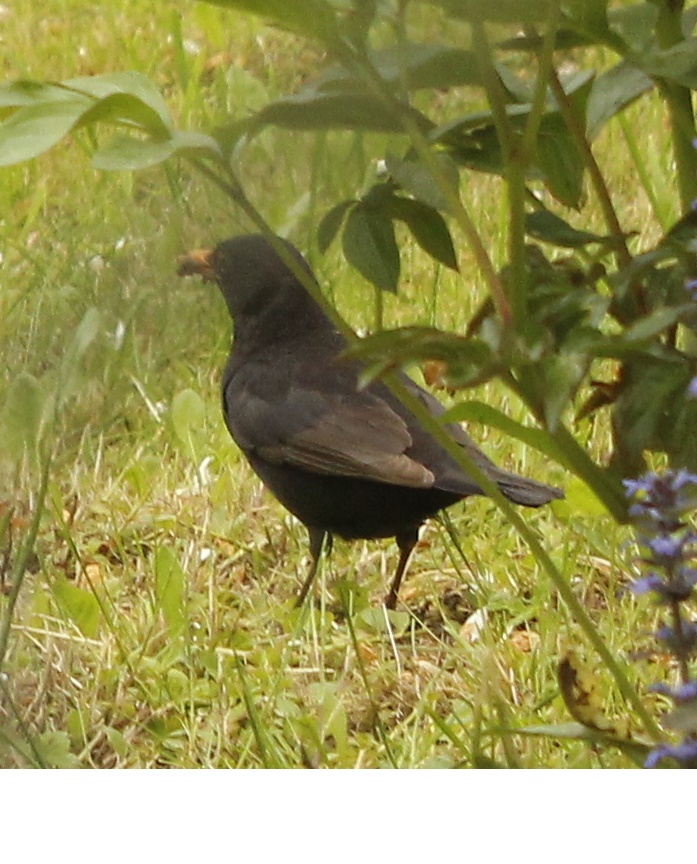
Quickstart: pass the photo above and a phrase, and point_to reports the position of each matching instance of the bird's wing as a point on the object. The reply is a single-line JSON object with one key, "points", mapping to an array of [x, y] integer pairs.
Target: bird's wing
{"points": [[355, 435]]}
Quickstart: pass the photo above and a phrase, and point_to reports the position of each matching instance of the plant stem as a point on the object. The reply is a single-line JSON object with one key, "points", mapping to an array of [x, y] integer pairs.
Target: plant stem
{"points": [[577, 128], [679, 103]]}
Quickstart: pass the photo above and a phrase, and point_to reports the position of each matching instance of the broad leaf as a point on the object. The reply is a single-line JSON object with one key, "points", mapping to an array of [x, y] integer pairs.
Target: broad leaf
{"points": [[79, 605], [677, 64], [34, 129], [654, 323], [123, 153], [49, 112], [466, 360], [22, 416], [16, 94], [428, 227], [501, 12], [170, 590], [559, 161], [369, 245], [124, 108], [551, 228], [314, 109], [188, 415], [413, 65], [133, 84], [611, 92], [635, 24], [313, 18], [415, 177], [330, 224]]}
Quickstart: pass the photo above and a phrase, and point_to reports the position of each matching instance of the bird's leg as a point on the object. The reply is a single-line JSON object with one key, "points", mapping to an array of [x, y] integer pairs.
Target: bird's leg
{"points": [[317, 537], [406, 543]]}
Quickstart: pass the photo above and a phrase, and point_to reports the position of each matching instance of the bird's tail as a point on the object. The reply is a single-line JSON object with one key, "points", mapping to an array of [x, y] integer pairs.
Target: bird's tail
{"points": [[521, 490]]}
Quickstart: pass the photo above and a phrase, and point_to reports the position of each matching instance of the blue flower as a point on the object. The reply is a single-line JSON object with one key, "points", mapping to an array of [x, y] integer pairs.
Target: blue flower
{"points": [[685, 753], [680, 695], [658, 506]]}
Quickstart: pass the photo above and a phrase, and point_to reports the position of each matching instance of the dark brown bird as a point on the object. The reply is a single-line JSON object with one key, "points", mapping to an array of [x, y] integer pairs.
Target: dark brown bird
{"points": [[345, 461]]}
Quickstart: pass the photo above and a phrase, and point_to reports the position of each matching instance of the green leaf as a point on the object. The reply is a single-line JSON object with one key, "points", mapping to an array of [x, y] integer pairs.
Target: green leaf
{"points": [[427, 66], [369, 245], [22, 416], [654, 323], [123, 153], [51, 111], [677, 64], [502, 11], [330, 224], [551, 228], [468, 360], [590, 16], [54, 748], [117, 740], [85, 334], [650, 399], [428, 227], [188, 416], [634, 749], [472, 140], [416, 178], [34, 129], [134, 84], [635, 24], [479, 412], [561, 376], [613, 91], [313, 18], [312, 109], [559, 160], [682, 415], [16, 94], [123, 108], [170, 585], [79, 605]]}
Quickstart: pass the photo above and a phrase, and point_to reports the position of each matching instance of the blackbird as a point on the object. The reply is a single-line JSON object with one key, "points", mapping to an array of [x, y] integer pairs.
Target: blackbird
{"points": [[346, 461]]}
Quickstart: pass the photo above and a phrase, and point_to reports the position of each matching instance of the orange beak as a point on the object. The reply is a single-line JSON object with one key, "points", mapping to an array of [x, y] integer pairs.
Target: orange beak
{"points": [[197, 262]]}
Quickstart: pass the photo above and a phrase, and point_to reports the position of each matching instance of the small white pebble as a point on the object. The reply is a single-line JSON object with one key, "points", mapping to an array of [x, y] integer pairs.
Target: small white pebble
{"points": [[191, 46], [473, 627], [204, 475], [119, 335]]}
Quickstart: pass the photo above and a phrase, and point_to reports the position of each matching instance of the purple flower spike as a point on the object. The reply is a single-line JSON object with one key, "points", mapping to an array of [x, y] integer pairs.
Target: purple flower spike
{"points": [[658, 506], [684, 753]]}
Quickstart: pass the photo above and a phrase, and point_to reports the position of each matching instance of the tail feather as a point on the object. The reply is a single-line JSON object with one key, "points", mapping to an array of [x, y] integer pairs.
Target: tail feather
{"points": [[521, 490]]}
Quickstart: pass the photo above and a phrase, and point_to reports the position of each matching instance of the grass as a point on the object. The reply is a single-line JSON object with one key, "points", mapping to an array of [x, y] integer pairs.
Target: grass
{"points": [[155, 624]]}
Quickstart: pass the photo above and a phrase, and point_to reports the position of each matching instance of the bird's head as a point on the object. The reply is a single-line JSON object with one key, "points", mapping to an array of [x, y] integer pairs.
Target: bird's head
{"points": [[251, 274]]}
